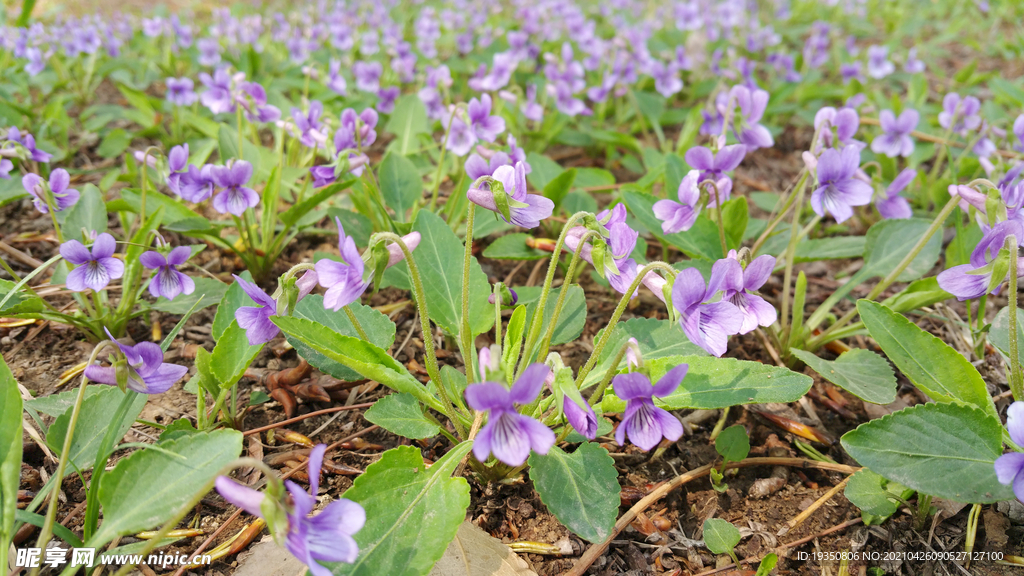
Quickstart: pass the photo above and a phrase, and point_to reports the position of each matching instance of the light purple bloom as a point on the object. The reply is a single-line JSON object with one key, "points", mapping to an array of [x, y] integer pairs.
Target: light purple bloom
{"points": [[367, 75], [666, 78], [1010, 466], [95, 268], [1018, 131], [343, 280], [63, 196], [196, 184], [485, 126], [217, 97], [309, 125], [619, 269], [509, 435], [147, 371], [234, 197], [714, 167], [644, 423], [209, 51], [912, 64], [253, 99], [752, 105], [477, 166], [892, 205], [846, 121], [29, 143], [335, 81], [895, 139], [526, 210], [180, 91], [968, 281], [707, 324], [756, 310], [680, 216], [838, 190], [581, 418], [356, 131], [850, 71], [461, 136], [255, 320], [326, 537], [565, 100], [387, 97], [176, 163], [5, 168], [531, 110], [960, 115], [879, 65], [168, 281]]}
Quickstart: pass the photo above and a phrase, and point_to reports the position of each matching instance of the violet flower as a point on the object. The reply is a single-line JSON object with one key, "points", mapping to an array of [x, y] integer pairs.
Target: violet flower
{"points": [[509, 435], [566, 102], [343, 280], [217, 97], [253, 99], [168, 281], [5, 168], [531, 110], [756, 310], [892, 205], [326, 537], [912, 65], [846, 121], [707, 324], [879, 65], [367, 75], [838, 190], [850, 71], [255, 320], [308, 124], [63, 196], [386, 99], [1010, 466], [895, 139], [196, 184], [1018, 131], [477, 166], [666, 78], [714, 167], [209, 51], [180, 91], [968, 281], [752, 104], [960, 115], [525, 210], [680, 216], [619, 268], [484, 125], [95, 268], [177, 160], [644, 423], [29, 143], [235, 197], [147, 373], [335, 81]]}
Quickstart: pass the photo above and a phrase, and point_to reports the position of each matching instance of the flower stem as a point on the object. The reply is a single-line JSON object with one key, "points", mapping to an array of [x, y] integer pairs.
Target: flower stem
{"points": [[562, 293], [598, 393], [440, 163], [794, 237], [1016, 379], [355, 322], [465, 331]]}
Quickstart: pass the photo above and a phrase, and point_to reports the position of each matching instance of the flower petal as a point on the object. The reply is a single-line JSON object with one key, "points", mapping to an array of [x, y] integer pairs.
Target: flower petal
{"points": [[242, 496], [671, 381], [528, 386], [489, 396]]}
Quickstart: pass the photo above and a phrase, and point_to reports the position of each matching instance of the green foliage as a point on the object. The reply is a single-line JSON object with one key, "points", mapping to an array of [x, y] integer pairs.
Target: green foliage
{"points": [[93, 421], [513, 247], [378, 327], [572, 318], [860, 372], [733, 444], [400, 184], [402, 414], [10, 453], [721, 536], [581, 489]]}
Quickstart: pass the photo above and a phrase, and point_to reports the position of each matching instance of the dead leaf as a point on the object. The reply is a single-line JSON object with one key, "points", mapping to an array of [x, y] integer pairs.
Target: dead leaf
{"points": [[476, 553]]}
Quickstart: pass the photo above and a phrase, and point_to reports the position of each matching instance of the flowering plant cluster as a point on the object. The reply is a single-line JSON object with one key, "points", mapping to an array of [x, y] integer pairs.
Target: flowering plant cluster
{"points": [[632, 149]]}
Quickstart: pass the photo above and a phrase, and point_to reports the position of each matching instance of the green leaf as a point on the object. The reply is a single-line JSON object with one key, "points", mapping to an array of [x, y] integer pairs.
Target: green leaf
{"points": [[999, 333], [408, 120], [860, 372], [714, 383], [888, 243], [10, 451], [358, 355], [227, 137], [945, 450], [22, 302], [378, 327], [150, 486], [929, 363], [232, 355], [735, 215], [656, 338], [439, 259], [400, 184], [356, 225], [412, 512], [733, 444], [866, 490], [233, 299], [581, 489], [57, 404], [556, 189], [675, 171], [513, 247], [720, 536], [93, 421], [917, 294], [700, 241], [767, 564], [210, 290], [140, 101], [572, 318], [90, 214], [834, 248], [294, 214], [11, 190], [543, 170], [173, 210], [578, 201], [114, 143], [588, 177], [402, 414]]}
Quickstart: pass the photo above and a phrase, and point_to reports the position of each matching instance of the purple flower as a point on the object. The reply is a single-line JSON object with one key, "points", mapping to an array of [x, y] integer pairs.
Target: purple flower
{"points": [[850, 71], [253, 99], [309, 125], [196, 184], [367, 75], [879, 65], [5, 168], [356, 131], [180, 91], [960, 115], [168, 281], [461, 136], [565, 100], [387, 97], [895, 139], [335, 81], [146, 371], [581, 417], [176, 163], [968, 281], [95, 269], [209, 51], [485, 126], [644, 423], [666, 78], [1010, 467], [343, 280], [29, 143], [531, 110], [217, 97], [476, 166], [1018, 131], [255, 320], [326, 537], [892, 205], [838, 190], [846, 121], [234, 197], [525, 210], [63, 197], [752, 104], [509, 435], [912, 64], [755, 310], [714, 167], [619, 269], [707, 324], [680, 216]]}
